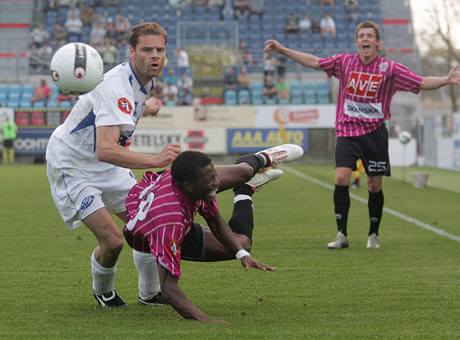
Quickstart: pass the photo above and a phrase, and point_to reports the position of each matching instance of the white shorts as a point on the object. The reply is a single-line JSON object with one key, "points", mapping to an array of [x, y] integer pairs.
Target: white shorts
{"points": [[77, 194]]}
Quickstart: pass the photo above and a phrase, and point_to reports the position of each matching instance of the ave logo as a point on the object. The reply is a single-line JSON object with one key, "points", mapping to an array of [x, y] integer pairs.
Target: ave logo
{"points": [[364, 84]]}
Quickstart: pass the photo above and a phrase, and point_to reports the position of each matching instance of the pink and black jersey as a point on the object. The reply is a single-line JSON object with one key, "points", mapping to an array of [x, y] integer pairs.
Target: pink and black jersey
{"points": [[365, 91], [160, 216]]}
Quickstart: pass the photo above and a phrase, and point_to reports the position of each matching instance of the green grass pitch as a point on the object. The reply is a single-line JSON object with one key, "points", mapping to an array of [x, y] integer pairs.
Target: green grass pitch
{"points": [[407, 289]]}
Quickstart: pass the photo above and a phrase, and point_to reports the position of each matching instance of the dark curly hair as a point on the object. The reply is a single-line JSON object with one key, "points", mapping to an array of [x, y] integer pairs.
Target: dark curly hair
{"points": [[187, 166]]}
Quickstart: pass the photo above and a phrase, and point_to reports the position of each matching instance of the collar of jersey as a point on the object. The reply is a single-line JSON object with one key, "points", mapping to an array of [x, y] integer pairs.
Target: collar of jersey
{"points": [[142, 88]]}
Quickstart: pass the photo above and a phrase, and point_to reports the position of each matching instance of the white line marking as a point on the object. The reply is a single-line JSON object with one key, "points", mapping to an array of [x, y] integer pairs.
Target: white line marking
{"points": [[390, 211]]}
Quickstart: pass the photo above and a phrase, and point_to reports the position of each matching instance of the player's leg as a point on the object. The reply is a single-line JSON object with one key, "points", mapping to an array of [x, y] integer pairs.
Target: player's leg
{"points": [[104, 257], [377, 165], [346, 154], [247, 166], [200, 244]]}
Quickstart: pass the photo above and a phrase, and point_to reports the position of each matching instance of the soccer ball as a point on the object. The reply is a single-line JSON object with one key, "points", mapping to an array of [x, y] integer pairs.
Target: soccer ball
{"points": [[76, 68], [405, 137]]}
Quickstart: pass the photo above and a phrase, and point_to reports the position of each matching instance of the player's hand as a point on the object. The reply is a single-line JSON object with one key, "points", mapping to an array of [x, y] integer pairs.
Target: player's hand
{"points": [[167, 155], [272, 45], [250, 262], [454, 76], [152, 106]]}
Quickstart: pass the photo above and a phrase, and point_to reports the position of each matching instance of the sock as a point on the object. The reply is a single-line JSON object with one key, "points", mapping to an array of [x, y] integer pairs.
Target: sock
{"points": [[257, 161], [242, 220], [341, 207], [375, 205], [149, 280], [103, 278]]}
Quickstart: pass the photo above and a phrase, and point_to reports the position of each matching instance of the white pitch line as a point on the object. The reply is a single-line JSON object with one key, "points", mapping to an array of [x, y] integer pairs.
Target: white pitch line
{"points": [[390, 211]]}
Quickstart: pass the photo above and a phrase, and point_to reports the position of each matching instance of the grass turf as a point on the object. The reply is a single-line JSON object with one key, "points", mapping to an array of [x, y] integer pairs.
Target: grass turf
{"points": [[406, 289]]}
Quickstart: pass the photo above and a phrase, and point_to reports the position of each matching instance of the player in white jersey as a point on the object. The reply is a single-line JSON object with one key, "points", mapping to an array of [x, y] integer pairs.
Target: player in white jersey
{"points": [[88, 159]]}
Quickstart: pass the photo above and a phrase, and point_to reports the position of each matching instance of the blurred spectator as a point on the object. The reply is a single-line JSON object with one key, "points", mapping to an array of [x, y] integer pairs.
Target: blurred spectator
{"points": [[59, 37], [257, 7], [68, 3], [327, 3], [171, 76], [74, 11], [244, 80], [86, 14], [122, 27], [45, 52], [97, 34], [108, 53], [315, 28], [270, 91], [41, 93], [242, 7], [110, 30], [245, 56], [305, 24], [282, 88], [269, 64], [292, 24], [39, 35], [227, 11], [74, 26], [230, 79], [185, 82], [281, 64], [170, 92], [352, 9], [186, 97], [327, 25], [181, 59]]}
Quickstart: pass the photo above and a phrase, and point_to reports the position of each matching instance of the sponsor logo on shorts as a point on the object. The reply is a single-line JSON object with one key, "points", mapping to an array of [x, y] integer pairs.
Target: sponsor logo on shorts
{"points": [[125, 106], [86, 202], [364, 84]]}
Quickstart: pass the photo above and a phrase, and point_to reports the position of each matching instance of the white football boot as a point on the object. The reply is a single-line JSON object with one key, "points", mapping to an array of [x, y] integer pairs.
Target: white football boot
{"points": [[282, 153], [263, 177], [373, 241], [340, 242]]}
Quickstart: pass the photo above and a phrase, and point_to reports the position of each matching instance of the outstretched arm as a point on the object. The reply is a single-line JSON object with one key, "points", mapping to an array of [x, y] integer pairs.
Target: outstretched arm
{"points": [[308, 60], [433, 83]]}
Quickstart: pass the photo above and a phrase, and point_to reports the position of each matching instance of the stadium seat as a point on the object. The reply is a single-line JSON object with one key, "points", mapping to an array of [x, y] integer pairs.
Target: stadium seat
{"points": [[25, 104], [230, 97], [244, 97], [39, 104]]}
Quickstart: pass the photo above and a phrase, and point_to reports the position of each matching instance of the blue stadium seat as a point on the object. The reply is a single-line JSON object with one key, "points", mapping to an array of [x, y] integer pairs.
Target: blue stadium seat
{"points": [[230, 97], [25, 104], [39, 105], [257, 97], [3, 98], [309, 92], [244, 97], [65, 104], [13, 104]]}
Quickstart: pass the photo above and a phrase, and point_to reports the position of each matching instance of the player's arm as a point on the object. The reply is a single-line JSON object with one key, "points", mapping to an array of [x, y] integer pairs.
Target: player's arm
{"points": [[108, 150], [224, 234], [433, 83], [177, 299], [306, 59]]}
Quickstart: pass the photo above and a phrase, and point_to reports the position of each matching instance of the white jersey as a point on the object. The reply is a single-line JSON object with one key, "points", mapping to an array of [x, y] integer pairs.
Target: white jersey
{"points": [[118, 100]]}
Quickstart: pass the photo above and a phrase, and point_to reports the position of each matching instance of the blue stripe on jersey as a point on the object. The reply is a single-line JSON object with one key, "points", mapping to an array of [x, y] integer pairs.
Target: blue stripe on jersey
{"points": [[142, 88], [87, 121]]}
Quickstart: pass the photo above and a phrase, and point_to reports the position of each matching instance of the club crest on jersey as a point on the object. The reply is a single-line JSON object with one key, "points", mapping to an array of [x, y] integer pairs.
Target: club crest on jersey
{"points": [[364, 84], [173, 247], [125, 106], [383, 67], [86, 202]]}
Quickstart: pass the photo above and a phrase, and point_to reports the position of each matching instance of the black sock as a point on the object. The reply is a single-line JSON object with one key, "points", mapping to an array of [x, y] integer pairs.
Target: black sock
{"points": [[257, 161], [341, 207], [242, 220], [375, 205]]}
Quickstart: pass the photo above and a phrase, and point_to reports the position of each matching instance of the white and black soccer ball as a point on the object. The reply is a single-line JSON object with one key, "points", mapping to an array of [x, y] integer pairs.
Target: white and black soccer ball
{"points": [[76, 68], [404, 137]]}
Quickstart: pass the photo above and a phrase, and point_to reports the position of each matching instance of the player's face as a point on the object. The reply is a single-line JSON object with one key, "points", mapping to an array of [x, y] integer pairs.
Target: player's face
{"points": [[148, 57], [367, 43], [206, 186]]}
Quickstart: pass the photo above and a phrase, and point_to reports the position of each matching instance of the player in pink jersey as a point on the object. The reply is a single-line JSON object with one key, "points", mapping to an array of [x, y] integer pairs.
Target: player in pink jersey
{"points": [[367, 85], [162, 209]]}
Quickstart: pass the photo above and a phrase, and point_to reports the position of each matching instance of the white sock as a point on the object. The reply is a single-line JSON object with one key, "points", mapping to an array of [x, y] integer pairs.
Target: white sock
{"points": [[103, 278], [149, 280]]}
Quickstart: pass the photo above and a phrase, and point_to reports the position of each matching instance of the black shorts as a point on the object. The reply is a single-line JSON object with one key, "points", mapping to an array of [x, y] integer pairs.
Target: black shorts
{"points": [[8, 143], [193, 244], [371, 148]]}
